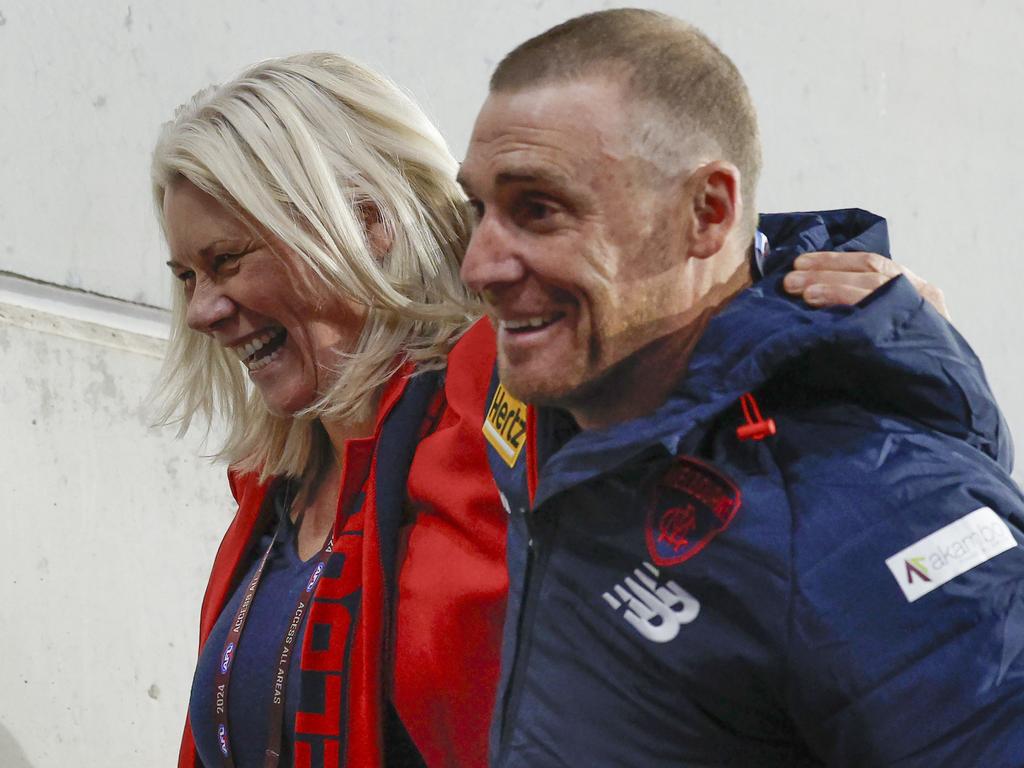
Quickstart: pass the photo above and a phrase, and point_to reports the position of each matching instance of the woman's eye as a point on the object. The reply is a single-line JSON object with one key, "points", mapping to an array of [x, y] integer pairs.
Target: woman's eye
{"points": [[186, 276], [225, 260]]}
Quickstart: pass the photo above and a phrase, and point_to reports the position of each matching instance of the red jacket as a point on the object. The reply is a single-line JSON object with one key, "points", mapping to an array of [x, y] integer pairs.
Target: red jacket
{"points": [[451, 579]]}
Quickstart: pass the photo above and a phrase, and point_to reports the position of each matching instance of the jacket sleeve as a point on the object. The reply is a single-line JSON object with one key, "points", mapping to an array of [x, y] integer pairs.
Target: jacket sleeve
{"points": [[906, 621]]}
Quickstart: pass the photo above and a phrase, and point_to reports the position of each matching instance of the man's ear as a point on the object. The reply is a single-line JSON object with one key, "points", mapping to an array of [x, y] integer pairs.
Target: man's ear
{"points": [[377, 234], [716, 207]]}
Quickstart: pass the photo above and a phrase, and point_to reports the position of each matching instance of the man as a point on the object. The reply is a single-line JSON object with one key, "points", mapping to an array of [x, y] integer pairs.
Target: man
{"points": [[741, 532]]}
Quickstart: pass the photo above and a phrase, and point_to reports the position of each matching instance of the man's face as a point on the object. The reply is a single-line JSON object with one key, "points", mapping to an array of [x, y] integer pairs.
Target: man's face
{"points": [[578, 251]]}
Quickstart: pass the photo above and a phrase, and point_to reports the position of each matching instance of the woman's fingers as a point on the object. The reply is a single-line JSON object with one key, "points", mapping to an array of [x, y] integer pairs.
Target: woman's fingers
{"points": [[930, 293], [830, 278], [826, 289], [847, 261]]}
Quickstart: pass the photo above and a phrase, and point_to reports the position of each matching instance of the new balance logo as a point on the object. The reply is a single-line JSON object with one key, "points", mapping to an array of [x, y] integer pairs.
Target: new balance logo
{"points": [[656, 611]]}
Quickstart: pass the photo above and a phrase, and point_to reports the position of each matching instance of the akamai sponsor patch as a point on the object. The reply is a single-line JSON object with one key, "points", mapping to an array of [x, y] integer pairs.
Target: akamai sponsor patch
{"points": [[955, 549], [505, 425]]}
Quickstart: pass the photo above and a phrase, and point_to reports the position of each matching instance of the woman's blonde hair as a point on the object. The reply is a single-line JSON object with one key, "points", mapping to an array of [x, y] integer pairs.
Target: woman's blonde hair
{"points": [[303, 147]]}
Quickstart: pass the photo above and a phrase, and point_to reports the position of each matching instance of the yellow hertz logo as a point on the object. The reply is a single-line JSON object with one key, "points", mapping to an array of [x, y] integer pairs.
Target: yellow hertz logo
{"points": [[505, 425]]}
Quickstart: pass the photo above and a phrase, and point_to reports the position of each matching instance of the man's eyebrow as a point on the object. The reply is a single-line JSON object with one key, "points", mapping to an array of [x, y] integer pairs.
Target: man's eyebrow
{"points": [[532, 176], [523, 176]]}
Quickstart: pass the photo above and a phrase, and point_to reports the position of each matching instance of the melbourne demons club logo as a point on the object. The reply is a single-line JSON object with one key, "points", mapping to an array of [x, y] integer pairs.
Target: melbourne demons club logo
{"points": [[687, 507]]}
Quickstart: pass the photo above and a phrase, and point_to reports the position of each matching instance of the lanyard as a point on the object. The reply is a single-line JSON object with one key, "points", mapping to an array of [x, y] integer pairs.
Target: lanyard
{"points": [[222, 678], [430, 420]]}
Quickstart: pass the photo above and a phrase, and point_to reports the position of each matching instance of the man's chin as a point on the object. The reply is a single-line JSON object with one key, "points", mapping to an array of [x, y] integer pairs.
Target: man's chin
{"points": [[536, 388]]}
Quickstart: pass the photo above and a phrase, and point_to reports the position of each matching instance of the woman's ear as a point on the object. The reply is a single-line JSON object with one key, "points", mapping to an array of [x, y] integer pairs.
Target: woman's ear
{"points": [[716, 207], [377, 234]]}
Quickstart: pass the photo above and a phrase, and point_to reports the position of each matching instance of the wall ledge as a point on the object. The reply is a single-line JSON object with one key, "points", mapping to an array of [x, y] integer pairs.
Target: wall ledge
{"points": [[90, 317]]}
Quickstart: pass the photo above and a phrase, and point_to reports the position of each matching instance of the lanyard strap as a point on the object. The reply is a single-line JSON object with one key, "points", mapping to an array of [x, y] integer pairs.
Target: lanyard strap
{"points": [[276, 725], [222, 678]]}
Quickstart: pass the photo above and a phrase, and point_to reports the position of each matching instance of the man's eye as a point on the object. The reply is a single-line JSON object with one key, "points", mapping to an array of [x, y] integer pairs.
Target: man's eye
{"points": [[537, 210]]}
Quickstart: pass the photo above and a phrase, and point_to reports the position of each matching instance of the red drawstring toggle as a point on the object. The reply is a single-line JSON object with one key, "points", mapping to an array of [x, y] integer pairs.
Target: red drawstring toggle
{"points": [[757, 427]]}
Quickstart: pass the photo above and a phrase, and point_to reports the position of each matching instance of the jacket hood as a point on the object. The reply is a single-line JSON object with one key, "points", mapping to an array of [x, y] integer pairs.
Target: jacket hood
{"points": [[892, 351]]}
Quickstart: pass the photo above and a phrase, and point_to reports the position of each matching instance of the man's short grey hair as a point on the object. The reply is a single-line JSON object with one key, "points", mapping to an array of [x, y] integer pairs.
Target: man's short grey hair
{"points": [[693, 99], [302, 147]]}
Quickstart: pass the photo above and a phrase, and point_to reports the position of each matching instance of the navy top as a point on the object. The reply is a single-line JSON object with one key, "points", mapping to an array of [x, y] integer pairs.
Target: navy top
{"points": [[255, 663]]}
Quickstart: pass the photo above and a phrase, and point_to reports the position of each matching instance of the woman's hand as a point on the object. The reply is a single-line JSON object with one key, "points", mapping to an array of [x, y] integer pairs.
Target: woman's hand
{"points": [[828, 278]]}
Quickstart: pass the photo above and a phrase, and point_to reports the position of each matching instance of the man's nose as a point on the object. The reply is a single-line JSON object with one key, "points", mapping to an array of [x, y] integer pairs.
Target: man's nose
{"points": [[208, 306], [491, 258]]}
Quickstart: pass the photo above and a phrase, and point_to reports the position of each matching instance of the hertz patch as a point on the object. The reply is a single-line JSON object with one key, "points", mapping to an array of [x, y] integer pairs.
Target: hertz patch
{"points": [[505, 425]]}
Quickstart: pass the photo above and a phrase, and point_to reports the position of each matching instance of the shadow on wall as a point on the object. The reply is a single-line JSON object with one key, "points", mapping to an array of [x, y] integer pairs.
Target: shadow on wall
{"points": [[11, 755]]}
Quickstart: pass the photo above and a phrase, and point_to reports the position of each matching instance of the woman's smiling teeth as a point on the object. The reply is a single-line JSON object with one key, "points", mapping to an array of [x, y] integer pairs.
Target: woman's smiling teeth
{"points": [[528, 323], [259, 351]]}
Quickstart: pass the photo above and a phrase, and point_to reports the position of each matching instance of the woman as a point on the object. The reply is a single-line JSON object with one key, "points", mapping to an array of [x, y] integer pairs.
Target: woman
{"points": [[313, 221]]}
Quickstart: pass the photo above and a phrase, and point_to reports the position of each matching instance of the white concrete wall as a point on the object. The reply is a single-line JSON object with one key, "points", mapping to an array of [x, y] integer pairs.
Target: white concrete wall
{"points": [[109, 528], [911, 108]]}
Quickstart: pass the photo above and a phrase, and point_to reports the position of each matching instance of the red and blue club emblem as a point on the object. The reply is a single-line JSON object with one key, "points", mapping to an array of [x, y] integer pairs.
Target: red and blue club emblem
{"points": [[688, 505]]}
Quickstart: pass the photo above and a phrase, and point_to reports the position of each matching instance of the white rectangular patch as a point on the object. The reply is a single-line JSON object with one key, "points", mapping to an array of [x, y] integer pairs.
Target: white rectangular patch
{"points": [[950, 551]]}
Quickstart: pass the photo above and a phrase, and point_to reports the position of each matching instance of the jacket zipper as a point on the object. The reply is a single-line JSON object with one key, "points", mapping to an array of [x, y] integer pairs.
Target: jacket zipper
{"points": [[536, 559]]}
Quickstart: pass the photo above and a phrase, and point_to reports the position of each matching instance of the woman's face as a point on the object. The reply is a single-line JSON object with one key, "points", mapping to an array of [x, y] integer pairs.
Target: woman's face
{"points": [[247, 292]]}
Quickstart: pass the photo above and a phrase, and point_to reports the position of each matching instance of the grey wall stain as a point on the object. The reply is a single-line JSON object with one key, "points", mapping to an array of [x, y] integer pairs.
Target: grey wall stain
{"points": [[128, 19], [46, 399], [11, 753], [154, 692], [99, 102], [104, 390], [3, 19]]}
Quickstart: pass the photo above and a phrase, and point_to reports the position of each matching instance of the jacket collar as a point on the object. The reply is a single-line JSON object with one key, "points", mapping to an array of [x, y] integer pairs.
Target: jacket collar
{"points": [[893, 341]]}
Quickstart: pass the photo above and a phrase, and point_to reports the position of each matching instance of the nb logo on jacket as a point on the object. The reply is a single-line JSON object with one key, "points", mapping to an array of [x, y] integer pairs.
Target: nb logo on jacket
{"points": [[656, 611]]}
